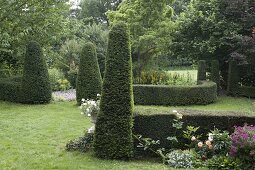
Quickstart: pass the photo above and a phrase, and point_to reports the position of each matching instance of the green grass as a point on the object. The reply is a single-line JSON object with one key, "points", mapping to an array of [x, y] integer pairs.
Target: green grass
{"points": [[243, 106], [34, 137]]}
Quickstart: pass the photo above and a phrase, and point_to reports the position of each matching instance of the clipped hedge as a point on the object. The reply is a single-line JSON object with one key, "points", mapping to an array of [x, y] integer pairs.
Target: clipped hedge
{"points": [[202, 94], [89, 81], [215, 73], [201, 70], [113, 132], [159, 126], [35, 84], [233, 78], [10, 89], [247, 91]]}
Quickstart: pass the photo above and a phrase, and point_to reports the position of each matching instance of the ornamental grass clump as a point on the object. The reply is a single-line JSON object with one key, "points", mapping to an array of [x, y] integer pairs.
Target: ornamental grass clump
{"points": [[113, 133], [35, 84], [89, 81]]}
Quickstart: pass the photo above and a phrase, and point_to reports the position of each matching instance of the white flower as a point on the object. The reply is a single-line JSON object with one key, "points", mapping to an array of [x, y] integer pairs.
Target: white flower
{"points": [[89, 115], [193, 138], [98, 95], [92, 102], [174, 111], [200, 144], [87, 110], [82, 113], [210, 138], [179, 116], [83, 100]]}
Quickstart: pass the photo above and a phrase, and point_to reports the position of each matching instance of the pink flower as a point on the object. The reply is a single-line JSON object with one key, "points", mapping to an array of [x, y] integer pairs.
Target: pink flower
{"points": [[200, 144]]}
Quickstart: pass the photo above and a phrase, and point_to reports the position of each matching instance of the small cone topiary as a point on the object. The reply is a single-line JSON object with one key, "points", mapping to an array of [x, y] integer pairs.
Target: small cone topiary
{"points": [[215, 73], [89, 81], [233, 78], [201, 70], [113, 132], [35, 86]]}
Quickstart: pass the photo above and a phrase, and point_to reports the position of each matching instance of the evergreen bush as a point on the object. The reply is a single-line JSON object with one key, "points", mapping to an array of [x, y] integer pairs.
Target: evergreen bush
{"points": [[35, 86], [215, 73], [89, 81], [233, 78], [113, 133], [201, 71]]}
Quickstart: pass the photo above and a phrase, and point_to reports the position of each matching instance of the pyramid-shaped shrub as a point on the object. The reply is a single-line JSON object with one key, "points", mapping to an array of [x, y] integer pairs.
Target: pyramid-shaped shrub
{"points": [[215, 73], [35, 87], [89, 81], [113, 133], [201, 70]]}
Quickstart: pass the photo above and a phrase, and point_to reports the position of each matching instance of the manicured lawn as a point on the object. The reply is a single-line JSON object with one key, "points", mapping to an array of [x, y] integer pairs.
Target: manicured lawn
{"points": [[242, 106], [34, 137]]}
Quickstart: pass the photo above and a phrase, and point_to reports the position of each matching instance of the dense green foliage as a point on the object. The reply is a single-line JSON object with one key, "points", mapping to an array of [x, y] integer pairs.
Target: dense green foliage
{"points": [[113, 133], [42, 21], [159, 126], [233, 78], [89, 81], [35, 82], [201, 70], [202, 94], [10, 89], [215, 73], [150, 26]]}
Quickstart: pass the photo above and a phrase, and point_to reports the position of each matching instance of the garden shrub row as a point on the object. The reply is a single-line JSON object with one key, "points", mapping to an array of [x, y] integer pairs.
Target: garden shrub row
{"points": [[201, 94], [247, 91], [159, 126], [10, 89]]}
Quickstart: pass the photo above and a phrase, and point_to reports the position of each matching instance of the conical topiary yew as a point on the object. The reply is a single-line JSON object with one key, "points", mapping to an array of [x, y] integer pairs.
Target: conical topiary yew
{"points": [[113, 133], [89, 81], [35, 87]]}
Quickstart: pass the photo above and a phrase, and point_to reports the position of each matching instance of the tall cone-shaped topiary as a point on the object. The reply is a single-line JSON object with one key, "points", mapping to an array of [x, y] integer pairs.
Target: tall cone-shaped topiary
{"points": [[233, 78], [215, 73], [35, 87], [201, 70], [113, 133], [89, 81]]}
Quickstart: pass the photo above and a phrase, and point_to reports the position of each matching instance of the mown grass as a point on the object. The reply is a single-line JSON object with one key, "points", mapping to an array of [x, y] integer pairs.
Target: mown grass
{"points": [[243, 106], [34, 137]]}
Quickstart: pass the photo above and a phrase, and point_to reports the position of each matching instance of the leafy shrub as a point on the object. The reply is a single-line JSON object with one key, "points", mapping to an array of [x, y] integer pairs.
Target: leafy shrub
{"points": [[180, 159], [223, 163], [113, 134], [243, 145], [63, 84], [54, 76], [152, 77], [201, 70], [89, 81], [82, 144], [233, 78], [175, 95], [35, 85]]}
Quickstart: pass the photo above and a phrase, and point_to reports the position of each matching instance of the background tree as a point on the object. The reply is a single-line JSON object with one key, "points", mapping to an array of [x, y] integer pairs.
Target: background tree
{"points": [[150, 26]]}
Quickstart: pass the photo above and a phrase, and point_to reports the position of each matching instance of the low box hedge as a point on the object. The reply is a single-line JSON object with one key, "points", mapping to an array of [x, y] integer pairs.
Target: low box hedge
{"points": [[159, 126], [10, 89], [201, 94], [247, 91]]}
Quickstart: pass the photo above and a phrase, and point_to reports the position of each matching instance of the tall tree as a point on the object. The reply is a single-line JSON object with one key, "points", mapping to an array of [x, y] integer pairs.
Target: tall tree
{"points": [[150, 25]]}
